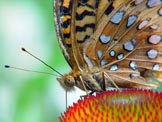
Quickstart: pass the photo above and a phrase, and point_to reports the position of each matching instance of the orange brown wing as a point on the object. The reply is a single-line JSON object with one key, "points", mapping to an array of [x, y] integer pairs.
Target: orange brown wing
{"points": [[128, 37], [75, 22]]}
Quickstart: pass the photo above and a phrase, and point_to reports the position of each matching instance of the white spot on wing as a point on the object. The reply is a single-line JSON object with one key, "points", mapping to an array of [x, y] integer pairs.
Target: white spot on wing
{"points": [[114, 67], [99, 53], [152, 54], [153, 3], [88, 61], [143, 23], [112, 53], [133, 65], [156, 67], [120, 56], [154, 39], [104, 62], [155, 26], [116, 19], [160, 12], [131, 20], [138, 2], [128, 46], [104, 39]]}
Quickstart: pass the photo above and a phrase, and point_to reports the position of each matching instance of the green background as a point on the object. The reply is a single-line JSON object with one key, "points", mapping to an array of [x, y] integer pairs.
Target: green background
{"points": [[27, 96]]}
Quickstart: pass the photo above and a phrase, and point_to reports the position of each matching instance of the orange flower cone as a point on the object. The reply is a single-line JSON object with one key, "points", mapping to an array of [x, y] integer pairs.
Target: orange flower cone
{"points": [[117, 106]]}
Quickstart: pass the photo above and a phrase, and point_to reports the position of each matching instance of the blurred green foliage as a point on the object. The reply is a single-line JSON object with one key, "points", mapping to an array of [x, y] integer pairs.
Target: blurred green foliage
{"points": [[29, 97]]}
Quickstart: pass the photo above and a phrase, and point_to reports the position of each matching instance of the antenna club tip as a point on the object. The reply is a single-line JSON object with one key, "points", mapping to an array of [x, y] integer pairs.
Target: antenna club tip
{"points": [[7, 66], [23, 49]]}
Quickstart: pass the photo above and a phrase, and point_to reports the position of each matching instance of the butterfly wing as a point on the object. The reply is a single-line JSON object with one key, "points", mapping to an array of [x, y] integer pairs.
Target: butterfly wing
{"points": [[127, 42], [62, 13], [75, 22]]}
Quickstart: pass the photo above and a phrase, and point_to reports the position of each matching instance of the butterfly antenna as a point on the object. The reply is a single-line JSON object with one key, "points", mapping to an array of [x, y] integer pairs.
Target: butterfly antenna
{"points": [[23, 49], [27, 70]]}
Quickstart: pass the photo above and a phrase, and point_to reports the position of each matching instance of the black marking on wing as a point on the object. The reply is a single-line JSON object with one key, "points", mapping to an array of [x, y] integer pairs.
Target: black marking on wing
{"points": [[84, 14], [66, 23], [109, 9], [83, 29], [85, 2], [85, 38]]}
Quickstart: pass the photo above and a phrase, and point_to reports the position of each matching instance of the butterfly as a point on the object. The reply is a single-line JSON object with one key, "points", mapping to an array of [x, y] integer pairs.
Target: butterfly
{"points": [[110, 43]]}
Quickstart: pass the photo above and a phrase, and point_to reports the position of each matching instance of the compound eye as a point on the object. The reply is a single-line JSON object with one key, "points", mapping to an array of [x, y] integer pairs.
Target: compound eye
{"points": [[69, 81]]}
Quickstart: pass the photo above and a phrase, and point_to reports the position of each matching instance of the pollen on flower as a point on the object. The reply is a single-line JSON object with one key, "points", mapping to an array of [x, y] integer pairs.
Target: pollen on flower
{"points": [[127, 105]]}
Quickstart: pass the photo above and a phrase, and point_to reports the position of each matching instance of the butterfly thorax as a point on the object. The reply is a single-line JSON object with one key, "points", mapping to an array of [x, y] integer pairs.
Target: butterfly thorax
{"points": [[92, 80]]}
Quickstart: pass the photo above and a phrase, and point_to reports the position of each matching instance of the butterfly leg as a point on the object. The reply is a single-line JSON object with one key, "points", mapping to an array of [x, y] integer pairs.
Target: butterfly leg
{"points": [[107, 76], [104, 82], [90, 93], [81, 79]]}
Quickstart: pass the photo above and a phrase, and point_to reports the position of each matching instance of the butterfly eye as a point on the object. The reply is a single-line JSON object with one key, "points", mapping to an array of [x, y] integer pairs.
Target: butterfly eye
{"points": [[69, 81]]}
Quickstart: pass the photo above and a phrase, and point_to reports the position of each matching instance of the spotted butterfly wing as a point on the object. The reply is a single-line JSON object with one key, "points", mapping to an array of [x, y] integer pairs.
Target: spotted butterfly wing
{"points": [[75, 24], [110, 43]]}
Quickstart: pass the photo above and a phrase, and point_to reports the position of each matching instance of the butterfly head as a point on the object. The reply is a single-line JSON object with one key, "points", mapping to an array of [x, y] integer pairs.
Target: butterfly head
{"points": [[67, 82]]}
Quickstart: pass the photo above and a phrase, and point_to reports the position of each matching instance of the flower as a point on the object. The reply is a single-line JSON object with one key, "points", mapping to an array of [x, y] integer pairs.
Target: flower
{"points": [[128, 105]]}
